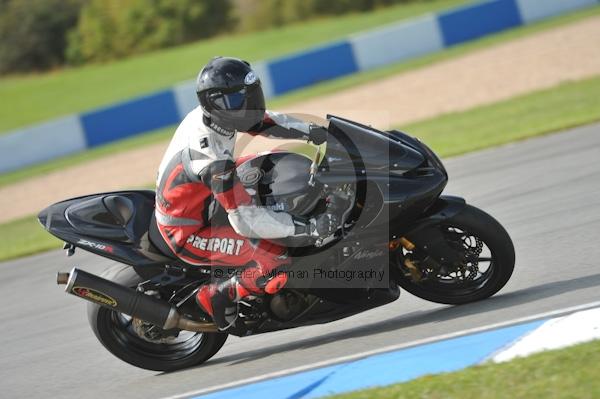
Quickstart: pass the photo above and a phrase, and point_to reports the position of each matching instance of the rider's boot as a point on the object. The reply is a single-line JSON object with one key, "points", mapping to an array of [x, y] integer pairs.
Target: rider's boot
{"points": [[220, 300]]}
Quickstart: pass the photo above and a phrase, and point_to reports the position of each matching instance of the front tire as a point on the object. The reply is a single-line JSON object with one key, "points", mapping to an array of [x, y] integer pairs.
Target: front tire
{"points": [[489, 231], [118, 334]]}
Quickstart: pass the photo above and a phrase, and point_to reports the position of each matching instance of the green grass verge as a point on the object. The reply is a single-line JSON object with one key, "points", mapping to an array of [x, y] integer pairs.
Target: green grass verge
{"points": [[314, 91], [565, 373], [34, 98], [568, 105], [565, 106], [23, 237]]}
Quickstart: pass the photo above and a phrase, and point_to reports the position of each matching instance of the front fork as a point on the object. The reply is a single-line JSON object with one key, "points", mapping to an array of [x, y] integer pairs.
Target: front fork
{"points": [[426, 238], [415, 272]]}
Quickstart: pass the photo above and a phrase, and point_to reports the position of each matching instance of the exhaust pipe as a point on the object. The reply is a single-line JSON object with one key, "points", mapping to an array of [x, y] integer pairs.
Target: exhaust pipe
{"points": [[128, 301]]}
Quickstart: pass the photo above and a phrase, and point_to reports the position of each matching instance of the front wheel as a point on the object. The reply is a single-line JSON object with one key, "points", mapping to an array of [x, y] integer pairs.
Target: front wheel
{"points": [[485, 254], [144, 345]]}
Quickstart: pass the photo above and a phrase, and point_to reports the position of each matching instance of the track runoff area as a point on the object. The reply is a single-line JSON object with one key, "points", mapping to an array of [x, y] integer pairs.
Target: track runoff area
{"points": [[526, 202], [400, 363]]}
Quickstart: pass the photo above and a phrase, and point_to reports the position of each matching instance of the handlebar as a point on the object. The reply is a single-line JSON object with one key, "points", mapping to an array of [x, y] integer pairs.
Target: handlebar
{"points": [[314, 166]]}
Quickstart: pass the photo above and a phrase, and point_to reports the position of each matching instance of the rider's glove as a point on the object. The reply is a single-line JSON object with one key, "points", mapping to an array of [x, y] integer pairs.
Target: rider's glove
{"points": [[317, 134], [323, 225], [320, 226]]}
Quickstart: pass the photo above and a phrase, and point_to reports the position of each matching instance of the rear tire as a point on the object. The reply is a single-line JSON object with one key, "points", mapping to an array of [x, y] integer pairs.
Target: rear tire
{"points": [[120, 339], [494, 236]]}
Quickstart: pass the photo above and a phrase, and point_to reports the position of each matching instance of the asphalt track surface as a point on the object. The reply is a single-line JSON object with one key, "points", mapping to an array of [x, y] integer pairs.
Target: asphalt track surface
{"points": [[546, 191]]}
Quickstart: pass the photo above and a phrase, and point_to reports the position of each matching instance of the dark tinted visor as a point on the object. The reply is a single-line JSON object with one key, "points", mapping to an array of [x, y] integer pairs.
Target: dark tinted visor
{"points": [[229, 101]]}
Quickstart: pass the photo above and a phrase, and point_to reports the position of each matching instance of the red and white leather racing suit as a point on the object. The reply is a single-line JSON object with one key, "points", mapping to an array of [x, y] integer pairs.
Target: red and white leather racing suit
{"points": [[196, 173]]}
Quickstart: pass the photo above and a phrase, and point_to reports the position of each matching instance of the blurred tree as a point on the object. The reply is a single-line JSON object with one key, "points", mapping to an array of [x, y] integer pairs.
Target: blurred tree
{"points": [[116, 28], [261, 14], [33, 33], [41, 34]]}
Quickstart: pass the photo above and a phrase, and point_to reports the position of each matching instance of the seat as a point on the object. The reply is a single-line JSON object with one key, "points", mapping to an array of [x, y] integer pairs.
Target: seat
{"points": [[156, 239], [122, 216], [120, 207]]}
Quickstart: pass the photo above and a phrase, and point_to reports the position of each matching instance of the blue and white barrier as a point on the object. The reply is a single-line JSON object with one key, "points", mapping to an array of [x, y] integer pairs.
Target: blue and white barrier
{"points": [[43, 142], [130, 118], [364, 51], [398, 42], [445, 355]]}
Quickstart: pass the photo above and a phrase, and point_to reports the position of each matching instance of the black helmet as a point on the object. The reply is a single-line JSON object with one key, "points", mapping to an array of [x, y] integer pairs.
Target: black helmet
{"points": [[230, 94]]}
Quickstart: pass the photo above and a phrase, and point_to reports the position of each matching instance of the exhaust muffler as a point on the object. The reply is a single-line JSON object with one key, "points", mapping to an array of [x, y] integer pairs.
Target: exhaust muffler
{"points": [[128, 301]]}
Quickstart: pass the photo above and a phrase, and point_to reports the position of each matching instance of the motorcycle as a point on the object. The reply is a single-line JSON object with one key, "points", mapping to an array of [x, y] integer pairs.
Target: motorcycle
{"points": [[385, 189]]}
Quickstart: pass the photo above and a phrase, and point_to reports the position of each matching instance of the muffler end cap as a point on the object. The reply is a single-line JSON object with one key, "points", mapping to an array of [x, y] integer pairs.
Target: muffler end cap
{"points": [[62, 278]]}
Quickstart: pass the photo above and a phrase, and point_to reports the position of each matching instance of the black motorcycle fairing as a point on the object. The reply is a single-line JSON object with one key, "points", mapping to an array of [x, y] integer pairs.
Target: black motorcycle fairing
{"points": [[378, 152], [322, 311], [114, 225], [432, 159], [445, 207], [365, 250], [395, 176], [401, 177]]}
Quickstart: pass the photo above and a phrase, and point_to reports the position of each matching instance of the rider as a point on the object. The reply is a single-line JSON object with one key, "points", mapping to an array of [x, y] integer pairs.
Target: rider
{"points": [[197, 174]]}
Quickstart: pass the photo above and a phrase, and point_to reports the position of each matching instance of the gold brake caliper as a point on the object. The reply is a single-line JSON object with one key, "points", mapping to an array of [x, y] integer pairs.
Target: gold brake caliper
{"points": [[415, 272]]}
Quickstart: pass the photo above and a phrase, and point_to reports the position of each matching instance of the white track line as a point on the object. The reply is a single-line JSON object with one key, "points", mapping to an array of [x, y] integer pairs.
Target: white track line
{"points": [[390, 348]]}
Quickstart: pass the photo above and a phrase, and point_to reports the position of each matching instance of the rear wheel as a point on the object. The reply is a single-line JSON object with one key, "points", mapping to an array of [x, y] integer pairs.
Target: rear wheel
{"points": [[487, 261], [144, 345]]}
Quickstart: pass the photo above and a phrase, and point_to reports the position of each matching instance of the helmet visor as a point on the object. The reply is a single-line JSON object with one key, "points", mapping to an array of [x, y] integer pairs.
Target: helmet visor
{"points": [[229, 101]]}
